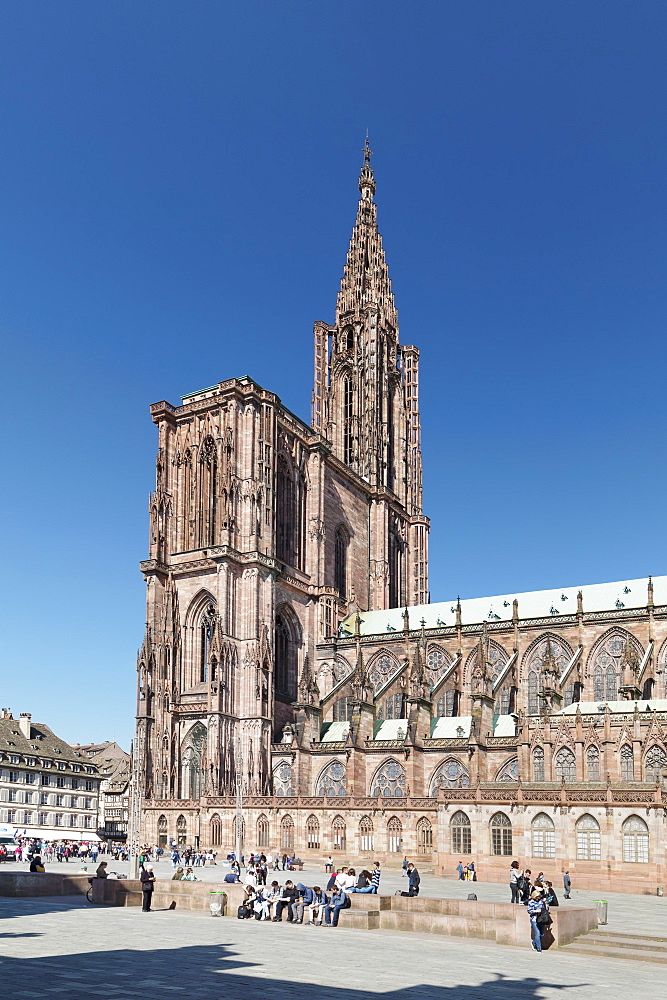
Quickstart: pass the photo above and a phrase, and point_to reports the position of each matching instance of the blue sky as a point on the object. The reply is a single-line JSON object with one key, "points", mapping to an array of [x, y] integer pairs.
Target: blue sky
{"points": [[178, 186]]}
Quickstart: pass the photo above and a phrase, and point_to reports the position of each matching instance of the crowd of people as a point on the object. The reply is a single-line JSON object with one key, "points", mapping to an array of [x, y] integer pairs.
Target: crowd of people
{"points": [[317, 906], [538, 896]]}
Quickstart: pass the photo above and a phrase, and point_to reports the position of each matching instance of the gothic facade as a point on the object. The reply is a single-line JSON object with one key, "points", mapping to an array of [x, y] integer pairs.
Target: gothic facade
{"points": [[290, 644]]}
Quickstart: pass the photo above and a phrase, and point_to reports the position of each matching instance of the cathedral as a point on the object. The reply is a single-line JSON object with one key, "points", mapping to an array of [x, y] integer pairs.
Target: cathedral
{"points": [[291, 651]]}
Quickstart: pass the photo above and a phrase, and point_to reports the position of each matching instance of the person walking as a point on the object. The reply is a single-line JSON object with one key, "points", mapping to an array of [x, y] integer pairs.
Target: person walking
{"points": [[459, 869], [514, 882], [147, 886], [567, 885]]}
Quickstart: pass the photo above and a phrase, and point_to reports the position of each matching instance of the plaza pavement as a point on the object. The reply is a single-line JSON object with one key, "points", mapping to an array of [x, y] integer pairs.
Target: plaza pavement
{"points": [[627, 913], [65, 948]]}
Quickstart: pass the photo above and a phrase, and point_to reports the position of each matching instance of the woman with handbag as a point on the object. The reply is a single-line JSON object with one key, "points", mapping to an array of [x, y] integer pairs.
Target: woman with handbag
{"points": [[540, 918]]}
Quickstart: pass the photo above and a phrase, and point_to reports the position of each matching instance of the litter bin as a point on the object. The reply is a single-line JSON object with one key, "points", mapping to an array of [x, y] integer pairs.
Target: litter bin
{"points": [[602, 905], [217, 904]]}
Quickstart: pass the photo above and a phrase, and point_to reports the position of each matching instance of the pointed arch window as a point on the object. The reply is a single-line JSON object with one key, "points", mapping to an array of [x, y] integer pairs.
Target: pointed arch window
{"points": [[282, 779], [395, 835], [635, 840], [452, 773], [348, 416], [593, 764], [587, 831], [509, 771], [381, 669], [216, 830], [287, 833], [208, 492], [340, 560], [389, 781], [424, 836], [332, 780], [655, 764], [181, 831], [313, 832], [606, 667], [543, 836], [285, 668], [565, 765], [366, 833], [501, 835], [262, 831], [533, 692], [162, 831], [538, 764], [285, 519], [627, 763], [461, 833], [338, 830], [206, 628]]}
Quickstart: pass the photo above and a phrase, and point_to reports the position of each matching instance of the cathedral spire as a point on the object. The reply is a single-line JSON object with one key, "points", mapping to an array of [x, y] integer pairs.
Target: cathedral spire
{"points": [[366, 404], [365, 282]]}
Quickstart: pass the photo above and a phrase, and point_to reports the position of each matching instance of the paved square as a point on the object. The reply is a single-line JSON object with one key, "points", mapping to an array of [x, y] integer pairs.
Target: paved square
{"points": [[69, 949]]}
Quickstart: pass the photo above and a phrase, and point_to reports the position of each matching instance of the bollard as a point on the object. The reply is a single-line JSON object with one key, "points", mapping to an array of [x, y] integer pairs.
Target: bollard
{"points": [[602, 906], [217, 903]]}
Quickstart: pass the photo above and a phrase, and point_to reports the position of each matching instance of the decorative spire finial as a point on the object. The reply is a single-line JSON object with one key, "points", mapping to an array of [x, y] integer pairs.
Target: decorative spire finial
{"points": [[367, 178]]}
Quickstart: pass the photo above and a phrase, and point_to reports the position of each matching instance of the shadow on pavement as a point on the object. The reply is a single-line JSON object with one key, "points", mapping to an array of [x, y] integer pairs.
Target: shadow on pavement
{"points": [[205, 972]]}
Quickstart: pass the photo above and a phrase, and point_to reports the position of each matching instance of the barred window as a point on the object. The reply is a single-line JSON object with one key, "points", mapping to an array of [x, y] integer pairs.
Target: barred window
{"points": [[461, 834], [395, 835], [338, 830], [501, 835], [635, 840], [588, 838], [543, 836], [366, 833]]}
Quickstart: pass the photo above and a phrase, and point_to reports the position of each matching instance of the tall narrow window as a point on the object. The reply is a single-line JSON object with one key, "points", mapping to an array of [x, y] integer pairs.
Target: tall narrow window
{"points": [[366, 833], [424, 836], [587, 831], [262, 831], [627, 763], [340, 561], [313, 832], [287, 833], [395, 835], [593, 764], [347, 421], [338, 830], [565, 765], [543, 836], [533, 693], [501, 835], [206, 634], [461, 834], [538, 764], [285, 660], [216, 830], [635, 840], [285, 512]]}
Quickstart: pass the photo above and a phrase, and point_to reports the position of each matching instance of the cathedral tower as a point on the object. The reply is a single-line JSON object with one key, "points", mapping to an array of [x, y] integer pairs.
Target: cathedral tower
{"points": [[366, 403]]}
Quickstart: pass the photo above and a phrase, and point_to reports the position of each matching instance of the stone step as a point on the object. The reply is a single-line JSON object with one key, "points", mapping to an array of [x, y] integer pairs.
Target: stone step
{"points": [[580, 947], [658, 945], [618, 935]]}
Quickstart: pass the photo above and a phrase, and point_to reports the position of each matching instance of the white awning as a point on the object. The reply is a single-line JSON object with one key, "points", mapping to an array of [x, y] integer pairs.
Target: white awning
{"points": [[56, 833]]}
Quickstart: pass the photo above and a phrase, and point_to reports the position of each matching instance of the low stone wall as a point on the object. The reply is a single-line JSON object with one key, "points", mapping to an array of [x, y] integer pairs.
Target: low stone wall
{"points": [[16, 884], [631, 878], [503, 923]]}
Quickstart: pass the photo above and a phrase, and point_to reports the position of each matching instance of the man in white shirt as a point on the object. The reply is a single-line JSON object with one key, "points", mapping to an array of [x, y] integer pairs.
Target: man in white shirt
{"points": [[345, 879]]}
